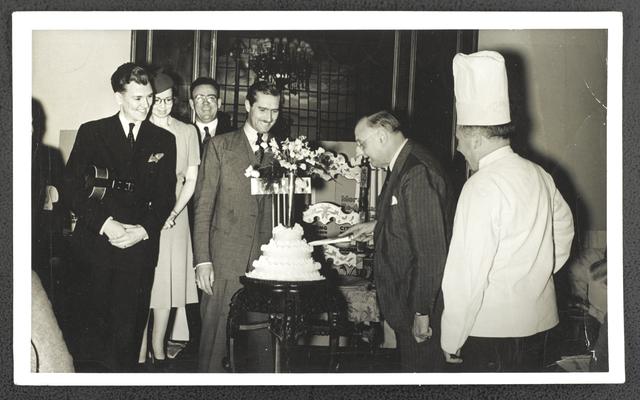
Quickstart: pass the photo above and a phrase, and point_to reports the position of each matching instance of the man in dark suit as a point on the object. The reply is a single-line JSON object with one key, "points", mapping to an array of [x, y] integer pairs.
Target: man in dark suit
{"points": [[411, 236], [206, 102], [116, 237], [230, 223]]}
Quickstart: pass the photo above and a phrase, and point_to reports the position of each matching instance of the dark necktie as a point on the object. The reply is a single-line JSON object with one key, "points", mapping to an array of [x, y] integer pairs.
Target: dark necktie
{"points": [[384, 184], [206, 135], [260, 152], [130, 136], [381, 193]]}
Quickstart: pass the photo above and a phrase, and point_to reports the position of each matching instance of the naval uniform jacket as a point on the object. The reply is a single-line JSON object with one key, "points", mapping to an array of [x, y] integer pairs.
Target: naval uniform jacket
{"points": [[103, 143]]}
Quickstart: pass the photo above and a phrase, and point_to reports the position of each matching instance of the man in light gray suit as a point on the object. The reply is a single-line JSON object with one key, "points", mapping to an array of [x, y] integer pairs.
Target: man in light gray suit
{"points": [[230, 224]]}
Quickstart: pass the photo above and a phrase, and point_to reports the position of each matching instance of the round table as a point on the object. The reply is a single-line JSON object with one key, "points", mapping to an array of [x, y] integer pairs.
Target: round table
{"points": [[288, 306]]}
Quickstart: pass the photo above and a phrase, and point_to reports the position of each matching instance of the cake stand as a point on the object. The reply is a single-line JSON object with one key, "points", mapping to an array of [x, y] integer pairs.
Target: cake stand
{"points": [[288, 305]]}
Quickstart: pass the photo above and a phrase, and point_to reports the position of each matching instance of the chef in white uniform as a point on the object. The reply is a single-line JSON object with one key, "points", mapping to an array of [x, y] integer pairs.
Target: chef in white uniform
{"points": [[512, 231]]}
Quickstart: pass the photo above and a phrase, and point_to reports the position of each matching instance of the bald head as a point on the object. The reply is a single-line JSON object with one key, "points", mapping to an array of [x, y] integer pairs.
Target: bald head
{"points": [[378, 136]]}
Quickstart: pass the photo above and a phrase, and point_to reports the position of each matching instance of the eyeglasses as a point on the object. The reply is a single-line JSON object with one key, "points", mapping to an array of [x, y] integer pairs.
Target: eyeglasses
{"points": [[167, 101], [211, 98]]}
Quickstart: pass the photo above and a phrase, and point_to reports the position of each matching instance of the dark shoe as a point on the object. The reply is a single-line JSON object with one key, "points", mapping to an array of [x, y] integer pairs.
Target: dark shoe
{"points": [[155, 365], [174, 349]]}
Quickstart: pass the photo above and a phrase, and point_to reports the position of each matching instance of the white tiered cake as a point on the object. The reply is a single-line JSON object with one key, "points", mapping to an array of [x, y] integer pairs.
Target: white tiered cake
{"points": [[287, 257]]}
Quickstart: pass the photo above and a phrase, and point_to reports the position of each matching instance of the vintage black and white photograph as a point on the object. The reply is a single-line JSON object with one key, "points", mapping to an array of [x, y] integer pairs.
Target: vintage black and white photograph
{"points": [[416, 197]]}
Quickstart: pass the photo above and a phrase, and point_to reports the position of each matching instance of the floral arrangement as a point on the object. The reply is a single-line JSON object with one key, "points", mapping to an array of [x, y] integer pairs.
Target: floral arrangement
{"points": [[293, 159], [297, 157]]}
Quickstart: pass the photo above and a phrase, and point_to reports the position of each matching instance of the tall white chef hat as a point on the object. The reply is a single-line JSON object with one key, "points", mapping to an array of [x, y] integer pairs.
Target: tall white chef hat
{"points": [[481, 89]]}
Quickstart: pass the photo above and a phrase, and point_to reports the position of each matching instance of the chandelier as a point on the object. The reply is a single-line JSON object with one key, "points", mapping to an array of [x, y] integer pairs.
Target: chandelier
{"points": [[283, 62]]}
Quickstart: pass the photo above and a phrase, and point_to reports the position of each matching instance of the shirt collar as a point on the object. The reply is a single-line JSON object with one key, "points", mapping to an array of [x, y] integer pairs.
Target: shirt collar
{"points": [[495, 155], [252, 135], [396, 154], [125, 125], [211, 125]]}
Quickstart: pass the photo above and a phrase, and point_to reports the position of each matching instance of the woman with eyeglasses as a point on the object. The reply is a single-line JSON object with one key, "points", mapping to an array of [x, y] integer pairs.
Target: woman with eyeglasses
{"points": [[174, 283]]}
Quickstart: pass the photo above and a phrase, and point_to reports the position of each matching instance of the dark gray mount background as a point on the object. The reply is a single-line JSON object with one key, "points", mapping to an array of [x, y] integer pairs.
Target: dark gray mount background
{"points": [[631, 213]]}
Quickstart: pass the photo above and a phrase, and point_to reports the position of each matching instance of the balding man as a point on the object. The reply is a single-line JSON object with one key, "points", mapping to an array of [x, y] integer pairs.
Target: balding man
{"points": [[411, 236]]}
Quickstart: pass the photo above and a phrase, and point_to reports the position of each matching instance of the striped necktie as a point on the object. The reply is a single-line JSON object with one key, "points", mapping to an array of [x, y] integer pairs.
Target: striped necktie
{"points": [[260, 151]]}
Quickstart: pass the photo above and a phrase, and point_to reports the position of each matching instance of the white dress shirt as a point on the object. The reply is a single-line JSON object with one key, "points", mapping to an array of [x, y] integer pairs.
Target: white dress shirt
{"points": [[213, 125], [396, 154], [125, 126], [252, 136], [512, 231]]}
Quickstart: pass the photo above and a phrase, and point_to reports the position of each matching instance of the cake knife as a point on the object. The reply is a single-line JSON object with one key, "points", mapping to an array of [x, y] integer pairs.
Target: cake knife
{"points": [[331, 241]]}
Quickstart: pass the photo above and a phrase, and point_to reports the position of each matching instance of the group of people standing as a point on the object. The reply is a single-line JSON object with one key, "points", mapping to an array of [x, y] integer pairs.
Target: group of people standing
{"points": [[133, 246], [476, 289]]}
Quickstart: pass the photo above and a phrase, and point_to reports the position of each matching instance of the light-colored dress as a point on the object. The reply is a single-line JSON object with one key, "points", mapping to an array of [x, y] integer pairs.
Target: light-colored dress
{"points": [[174, 284]]}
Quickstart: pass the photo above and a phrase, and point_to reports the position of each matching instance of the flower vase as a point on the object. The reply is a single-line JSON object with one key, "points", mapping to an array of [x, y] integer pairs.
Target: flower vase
{"points": [[291, 190]]}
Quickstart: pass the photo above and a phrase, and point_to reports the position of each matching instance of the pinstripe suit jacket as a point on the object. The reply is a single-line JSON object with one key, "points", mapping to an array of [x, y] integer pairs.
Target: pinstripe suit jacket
{"points": [[414, 218], [230, 224]]}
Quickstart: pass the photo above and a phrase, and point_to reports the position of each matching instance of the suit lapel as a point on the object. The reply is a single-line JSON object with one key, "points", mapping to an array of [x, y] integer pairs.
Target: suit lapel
{"points": [[142, 139], [243, 148], [243, 155], [384, 200], [115, 142], [199, 133]]}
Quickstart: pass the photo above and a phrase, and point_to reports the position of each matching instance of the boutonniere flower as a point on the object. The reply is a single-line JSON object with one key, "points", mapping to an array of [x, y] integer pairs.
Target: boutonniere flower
{"points": [[154, 158], [250, 172]]}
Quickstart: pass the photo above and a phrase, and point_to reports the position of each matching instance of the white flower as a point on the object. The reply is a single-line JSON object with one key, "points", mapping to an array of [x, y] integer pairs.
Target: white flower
{"points": [[285, 164], [264, 145], [303, 166], [251, 173]]}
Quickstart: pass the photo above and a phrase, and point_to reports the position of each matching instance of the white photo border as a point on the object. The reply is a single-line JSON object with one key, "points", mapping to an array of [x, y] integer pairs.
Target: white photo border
{"points": [[24, 23]]}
